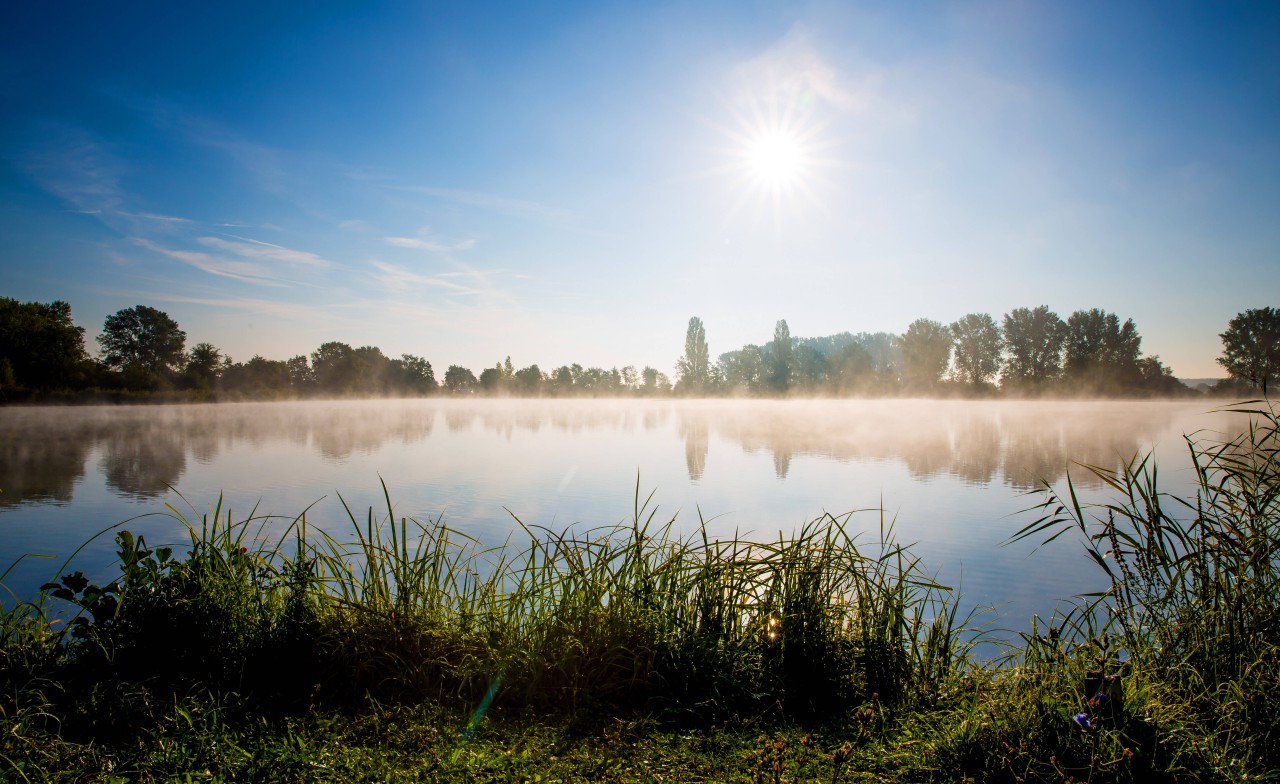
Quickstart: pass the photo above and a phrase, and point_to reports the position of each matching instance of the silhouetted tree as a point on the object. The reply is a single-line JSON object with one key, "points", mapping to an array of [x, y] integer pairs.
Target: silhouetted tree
{"points": [[694, 367], [978, 347], [1033, 340], [143, 338], [204, 365], [926, 353], [1251, 347], [40, 347]]}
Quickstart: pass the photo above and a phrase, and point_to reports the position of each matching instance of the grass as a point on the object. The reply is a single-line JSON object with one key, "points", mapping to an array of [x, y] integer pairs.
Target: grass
{"points": [[409, 652]]}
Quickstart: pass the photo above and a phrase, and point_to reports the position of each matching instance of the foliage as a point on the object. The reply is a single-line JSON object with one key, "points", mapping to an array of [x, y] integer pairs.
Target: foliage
{"points": [[926, 353], [778, 358], [1101, 353], [1195, 593], [144, 338], [40, 347], [978, 348], [1034, 340], [694, 368], [458, 379], [1251, 347]]}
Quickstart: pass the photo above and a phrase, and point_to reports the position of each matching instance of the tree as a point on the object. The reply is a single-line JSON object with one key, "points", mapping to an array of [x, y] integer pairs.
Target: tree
{"points": [[1101, 353], [1034, 340], [333, 366], [743, 370], [1251, 347], [204, 365], [491, 379], [978, 346], [301, 378], [40, 347], [413, 374], [809, 368], [629, 376], [143, 338], [851, 369], [695, 366], [458, 379], [779, 357], [926, 352], [529, 380]]}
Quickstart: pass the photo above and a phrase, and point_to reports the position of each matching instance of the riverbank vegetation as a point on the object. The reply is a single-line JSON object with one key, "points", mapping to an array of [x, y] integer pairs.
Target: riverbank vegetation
{"points": [[262, 650], [1031, 352]]}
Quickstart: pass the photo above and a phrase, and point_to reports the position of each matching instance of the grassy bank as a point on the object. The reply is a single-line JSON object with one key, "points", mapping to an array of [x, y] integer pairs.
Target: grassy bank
{"points": [[629, 653]]}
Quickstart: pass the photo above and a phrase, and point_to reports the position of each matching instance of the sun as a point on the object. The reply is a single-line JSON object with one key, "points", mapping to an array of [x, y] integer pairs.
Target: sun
{"points": [[774, 163], [775, 158]]}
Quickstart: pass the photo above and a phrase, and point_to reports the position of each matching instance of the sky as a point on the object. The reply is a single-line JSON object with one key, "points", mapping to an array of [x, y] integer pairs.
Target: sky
{"points": [[571, 182]]}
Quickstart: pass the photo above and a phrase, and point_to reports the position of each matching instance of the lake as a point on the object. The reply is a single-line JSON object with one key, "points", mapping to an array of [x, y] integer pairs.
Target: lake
{"points": [[952, 476]]}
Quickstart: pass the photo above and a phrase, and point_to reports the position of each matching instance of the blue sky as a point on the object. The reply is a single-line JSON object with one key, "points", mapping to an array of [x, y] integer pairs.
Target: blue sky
{"points": [[564, 182]]}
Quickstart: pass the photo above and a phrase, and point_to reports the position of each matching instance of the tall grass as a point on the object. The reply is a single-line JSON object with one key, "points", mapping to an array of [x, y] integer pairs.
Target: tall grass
{"points": [[633, 616], [622, 618], [1193, 607]]}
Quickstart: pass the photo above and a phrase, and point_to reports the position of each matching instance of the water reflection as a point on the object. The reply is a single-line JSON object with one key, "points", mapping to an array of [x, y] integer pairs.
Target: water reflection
{"points": [[141, 451], [1020, 444], [40, 463], [145, 460]]}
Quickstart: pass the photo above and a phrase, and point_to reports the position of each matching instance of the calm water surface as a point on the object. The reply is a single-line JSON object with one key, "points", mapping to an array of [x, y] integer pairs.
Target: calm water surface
{"points": [[952, 476]]}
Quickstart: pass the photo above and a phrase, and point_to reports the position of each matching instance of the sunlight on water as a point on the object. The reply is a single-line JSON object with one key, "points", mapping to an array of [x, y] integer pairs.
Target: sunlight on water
{"points": [[951, 476]]}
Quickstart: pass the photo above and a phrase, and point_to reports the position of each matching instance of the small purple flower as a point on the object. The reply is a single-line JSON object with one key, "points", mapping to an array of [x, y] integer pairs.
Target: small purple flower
{"points": [[1082, 721], [1098, 700]]}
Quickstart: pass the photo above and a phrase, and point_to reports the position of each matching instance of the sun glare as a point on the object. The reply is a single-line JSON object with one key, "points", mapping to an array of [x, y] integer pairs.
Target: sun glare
{"points": [[774, 163], [775, 158]]}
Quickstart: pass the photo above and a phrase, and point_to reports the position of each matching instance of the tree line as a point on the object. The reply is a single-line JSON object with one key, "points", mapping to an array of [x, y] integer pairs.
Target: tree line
{"points": [[1030, 351]]}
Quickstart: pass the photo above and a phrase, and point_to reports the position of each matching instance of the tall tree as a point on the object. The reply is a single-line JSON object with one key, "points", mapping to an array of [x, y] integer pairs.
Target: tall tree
{"points": [[1034, 340], [40, 347], [978, 346], [695, 366], [144, 338], [779, 357], [1251, 347], [926, 353], [1101, 353]]}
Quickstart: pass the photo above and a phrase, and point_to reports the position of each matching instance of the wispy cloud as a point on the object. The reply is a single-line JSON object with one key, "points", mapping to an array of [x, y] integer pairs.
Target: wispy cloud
{"points": [[244, 271], [430, 244], [77, 167], [519, 208], [398, 278], [257, 249]]}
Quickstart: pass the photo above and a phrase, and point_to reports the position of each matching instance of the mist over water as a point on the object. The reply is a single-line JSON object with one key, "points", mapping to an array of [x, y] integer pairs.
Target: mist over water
{"points": [[951, 476]]}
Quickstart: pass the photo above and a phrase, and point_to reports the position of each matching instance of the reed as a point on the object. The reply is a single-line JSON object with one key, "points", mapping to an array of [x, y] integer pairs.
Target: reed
{"points": [[1193, 606]]}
